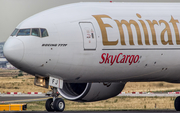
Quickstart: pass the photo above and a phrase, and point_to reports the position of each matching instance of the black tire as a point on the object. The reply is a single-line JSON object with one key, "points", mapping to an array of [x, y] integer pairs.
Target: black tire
{"points": [[49, 106], [59, 105], [177, 103]]}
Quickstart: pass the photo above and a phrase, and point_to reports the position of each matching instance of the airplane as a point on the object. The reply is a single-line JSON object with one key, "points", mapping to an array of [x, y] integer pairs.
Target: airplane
{"points": [[88, 51]]}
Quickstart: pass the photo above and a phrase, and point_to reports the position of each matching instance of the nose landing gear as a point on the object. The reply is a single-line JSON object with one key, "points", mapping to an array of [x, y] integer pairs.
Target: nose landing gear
{"points": [[55, 103]]}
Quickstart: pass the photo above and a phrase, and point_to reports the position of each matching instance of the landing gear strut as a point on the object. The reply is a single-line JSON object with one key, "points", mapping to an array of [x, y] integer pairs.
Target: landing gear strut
{"points": [[55, 103]]}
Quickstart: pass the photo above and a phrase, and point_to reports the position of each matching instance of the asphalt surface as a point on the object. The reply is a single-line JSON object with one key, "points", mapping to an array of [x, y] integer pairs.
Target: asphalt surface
{"points": [[14, 99], [150, 95], [142, 111]]}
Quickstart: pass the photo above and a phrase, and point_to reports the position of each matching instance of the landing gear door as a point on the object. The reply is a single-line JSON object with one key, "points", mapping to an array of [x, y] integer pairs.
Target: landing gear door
{"points": [[89, 36]]}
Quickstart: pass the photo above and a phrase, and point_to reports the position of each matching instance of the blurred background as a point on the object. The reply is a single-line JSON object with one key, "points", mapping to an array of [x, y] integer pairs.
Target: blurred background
{"points": [[12, 12]]}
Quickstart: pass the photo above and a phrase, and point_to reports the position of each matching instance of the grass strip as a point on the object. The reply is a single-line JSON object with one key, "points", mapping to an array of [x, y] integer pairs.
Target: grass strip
{"points": [[113, 104]]}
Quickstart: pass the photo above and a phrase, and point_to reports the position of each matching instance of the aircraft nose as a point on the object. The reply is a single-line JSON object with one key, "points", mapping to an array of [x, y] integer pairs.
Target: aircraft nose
{"points": [[14, 50]]}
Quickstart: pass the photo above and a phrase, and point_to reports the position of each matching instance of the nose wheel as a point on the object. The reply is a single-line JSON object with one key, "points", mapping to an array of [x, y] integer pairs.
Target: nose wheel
{"points": [[55, 104], [59, 105], [49, 105]]}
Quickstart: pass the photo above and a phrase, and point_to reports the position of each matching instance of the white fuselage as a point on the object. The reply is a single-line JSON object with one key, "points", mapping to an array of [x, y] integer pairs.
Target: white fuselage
{"points": [[102, 42]]}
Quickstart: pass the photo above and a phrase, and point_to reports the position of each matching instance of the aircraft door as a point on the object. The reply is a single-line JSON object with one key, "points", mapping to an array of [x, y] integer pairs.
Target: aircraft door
{"points": [[89, 36]]}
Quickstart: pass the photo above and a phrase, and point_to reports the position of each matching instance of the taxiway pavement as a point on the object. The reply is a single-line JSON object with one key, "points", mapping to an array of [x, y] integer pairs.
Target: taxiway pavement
{"points": [[150, 95], [22, 98], [141, 111]]}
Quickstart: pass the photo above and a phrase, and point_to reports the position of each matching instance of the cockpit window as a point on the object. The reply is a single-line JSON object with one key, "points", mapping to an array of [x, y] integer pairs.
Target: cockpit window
{"points": [[39, 32], [35, 32], [14, 32], [24, 32], [44, 32]]}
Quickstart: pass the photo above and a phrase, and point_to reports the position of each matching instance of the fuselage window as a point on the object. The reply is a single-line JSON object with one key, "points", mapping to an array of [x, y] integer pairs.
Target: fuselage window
{"points": [[14, 32], [35, 32], [44, 33], [24, 32]]}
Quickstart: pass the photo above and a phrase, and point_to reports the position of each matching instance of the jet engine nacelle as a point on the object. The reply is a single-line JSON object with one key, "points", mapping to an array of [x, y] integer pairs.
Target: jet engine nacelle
{"points": [[88, 92]]}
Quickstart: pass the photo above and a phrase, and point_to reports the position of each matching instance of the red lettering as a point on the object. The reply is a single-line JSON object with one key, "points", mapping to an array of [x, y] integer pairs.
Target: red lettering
{"points": [[112, 60], [136, 59], [127, 58], [123, 59], [106, 58], [102, 56], [118, 58], [111, 56], [131, 59]]}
